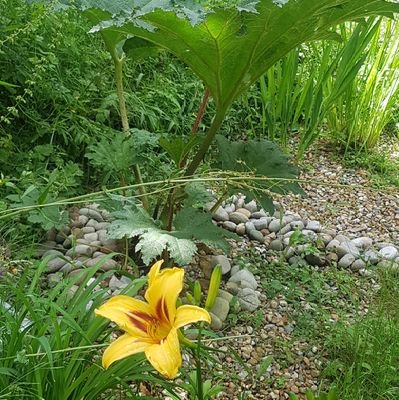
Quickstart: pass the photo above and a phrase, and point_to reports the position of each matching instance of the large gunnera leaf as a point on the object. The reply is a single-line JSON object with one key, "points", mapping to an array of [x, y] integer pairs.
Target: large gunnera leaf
{"points": [[231, 48]]}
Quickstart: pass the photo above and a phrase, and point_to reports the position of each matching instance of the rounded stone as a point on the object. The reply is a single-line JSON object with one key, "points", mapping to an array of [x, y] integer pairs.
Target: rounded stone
{"points": [[56, 264], [276, 245], [389, 252], [314, 226], [243, 275], [91, 237], [220, 214], [221, 260], [256, 235], [261, 223], [251, 206], [220, 308], [80, 250], [216, 323], [363, 242], [258, 214], [88, 229], [244, 211], [357, 265], [229, 225], [240, 229], [346, 260], [238, 217], [248, 299]]}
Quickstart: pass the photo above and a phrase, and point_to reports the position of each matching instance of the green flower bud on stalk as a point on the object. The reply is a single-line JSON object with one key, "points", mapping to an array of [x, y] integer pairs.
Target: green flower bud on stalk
{"points": [[214, 285], [197, 292], [190, 298]]}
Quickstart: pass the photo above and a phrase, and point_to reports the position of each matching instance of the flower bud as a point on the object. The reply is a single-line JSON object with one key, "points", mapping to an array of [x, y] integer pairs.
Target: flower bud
{"points": [[197, 292], [214, 285]]}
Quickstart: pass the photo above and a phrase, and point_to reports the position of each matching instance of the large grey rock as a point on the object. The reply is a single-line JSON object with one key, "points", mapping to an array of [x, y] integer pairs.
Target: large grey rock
{"points": [[221, 260], [91, 237], [91, 213], [333, 244], [216, 323], [244, 278], [93, 223], [52, 252], [230, 226], [249, 226], [54, 279], [316, 259], [261, 223], [244, 211], [347, 248], [88, 229], [389, 252], [220, 308], [297, 225], [220, 214], [118, 284], [276, 224], [357, 265], [56, 264], [238, 217], [371, 257], [258, 214], [314, 226], [363, 242], [251, 206], [346, 260], [240, 229], [311, 235], [285, 229], [248, 299], [256, 235], [80, 250], [225, 295], [276, 245]]}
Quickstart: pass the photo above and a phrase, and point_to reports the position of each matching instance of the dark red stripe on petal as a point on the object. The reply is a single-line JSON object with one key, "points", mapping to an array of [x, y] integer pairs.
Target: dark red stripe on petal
{"points": [[140, 323], [142, 315], [165, 310], [159, 309]]}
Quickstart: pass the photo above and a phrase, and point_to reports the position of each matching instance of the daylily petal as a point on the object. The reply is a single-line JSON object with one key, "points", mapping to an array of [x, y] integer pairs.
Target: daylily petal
{"points": [[189, 314], [123, 347], [165, 357], [131, 315], [163, 292], [154, 272]]}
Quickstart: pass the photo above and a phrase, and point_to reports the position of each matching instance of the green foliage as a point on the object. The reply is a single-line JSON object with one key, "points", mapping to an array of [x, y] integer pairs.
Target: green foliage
{"points": [[263, 159], [309, 395], [48, 216], [365, 354], [134, 221], [117, 155]]}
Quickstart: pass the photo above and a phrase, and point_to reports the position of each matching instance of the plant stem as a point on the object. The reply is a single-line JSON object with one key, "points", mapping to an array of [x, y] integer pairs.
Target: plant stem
{"points": [[125, 124], [216, 124], [201, 111]]}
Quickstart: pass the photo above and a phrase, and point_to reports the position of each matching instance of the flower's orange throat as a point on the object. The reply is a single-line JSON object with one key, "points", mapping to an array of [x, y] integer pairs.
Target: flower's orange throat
{"points": [[156, 326]]}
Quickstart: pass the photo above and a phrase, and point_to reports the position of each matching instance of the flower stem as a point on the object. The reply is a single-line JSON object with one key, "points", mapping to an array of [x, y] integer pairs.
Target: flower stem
{"points": [[125, 124]]}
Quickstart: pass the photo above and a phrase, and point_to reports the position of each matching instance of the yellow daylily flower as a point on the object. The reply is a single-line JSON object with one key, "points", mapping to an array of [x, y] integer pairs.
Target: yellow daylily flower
{"points": [[152, 327]]}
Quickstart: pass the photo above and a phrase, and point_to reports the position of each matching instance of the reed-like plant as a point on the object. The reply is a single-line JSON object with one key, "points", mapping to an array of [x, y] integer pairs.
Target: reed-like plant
{"points": [[359, 117]]}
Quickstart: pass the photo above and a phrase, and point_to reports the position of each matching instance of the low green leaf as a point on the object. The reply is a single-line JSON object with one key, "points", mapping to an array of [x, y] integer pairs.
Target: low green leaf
{"points": [[194, 224]]}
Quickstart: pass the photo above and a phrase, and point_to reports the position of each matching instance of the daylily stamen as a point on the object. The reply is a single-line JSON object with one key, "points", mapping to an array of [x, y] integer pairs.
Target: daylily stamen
{"points": [[152, 327]]}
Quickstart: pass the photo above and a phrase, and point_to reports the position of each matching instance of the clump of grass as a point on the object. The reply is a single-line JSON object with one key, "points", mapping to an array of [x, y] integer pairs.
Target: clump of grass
{"points": [[366, 353]]}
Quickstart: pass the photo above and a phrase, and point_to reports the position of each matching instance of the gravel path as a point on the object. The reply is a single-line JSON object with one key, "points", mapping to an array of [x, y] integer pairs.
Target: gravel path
{"points": [[301, 306], [345, 200]]}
